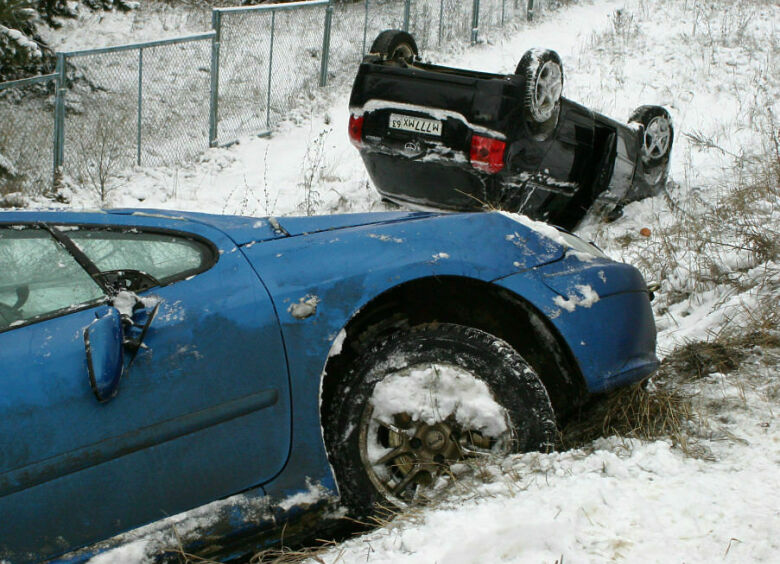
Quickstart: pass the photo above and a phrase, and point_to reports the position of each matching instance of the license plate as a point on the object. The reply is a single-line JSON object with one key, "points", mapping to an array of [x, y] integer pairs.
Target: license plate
{"points": [[415, 124]]}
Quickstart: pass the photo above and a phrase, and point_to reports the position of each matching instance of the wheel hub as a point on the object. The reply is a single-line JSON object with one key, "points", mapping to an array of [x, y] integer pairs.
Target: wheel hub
{"points": [[430, 449], [417, 432], [548, 89], [419, 452], [435, 440], [402, 52], [657, 137]]}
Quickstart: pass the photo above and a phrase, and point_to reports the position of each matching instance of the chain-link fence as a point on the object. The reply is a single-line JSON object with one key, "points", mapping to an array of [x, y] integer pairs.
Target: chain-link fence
{"points": [[143, 104], [165, 101], [495, 14], [432, 23], [270, 61], [26, 136], [354, 27], [437, 22]]}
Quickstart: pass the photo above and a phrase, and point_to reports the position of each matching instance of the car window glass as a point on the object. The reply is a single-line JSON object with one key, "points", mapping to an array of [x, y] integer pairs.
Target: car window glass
{"points": [[160, 255], [39, 277]]}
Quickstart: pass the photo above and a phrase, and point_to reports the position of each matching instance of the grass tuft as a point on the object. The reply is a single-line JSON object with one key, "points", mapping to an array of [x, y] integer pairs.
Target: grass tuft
{"points": [[647, 410]]}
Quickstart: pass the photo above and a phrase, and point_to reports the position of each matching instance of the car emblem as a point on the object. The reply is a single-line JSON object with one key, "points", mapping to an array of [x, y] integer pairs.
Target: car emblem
{"points": [[412, 148]]}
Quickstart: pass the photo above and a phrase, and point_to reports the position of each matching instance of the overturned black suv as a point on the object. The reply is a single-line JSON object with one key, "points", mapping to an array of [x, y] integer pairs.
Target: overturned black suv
{"points": [[453, 139]]}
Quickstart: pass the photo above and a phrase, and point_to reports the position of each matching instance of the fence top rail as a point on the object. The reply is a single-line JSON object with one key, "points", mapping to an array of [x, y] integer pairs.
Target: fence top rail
{"points": [[26, 81], [132, 46], [271, 7]]}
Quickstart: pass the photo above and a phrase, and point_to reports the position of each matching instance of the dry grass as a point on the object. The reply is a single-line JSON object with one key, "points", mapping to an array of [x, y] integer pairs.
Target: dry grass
{"points": [[284, 555], [281, 554], [646, 410], [665, 406]]}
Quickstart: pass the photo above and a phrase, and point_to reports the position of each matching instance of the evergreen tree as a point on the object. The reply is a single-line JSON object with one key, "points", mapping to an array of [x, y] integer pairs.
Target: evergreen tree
{"points": [[21, 48], [23, 52]]}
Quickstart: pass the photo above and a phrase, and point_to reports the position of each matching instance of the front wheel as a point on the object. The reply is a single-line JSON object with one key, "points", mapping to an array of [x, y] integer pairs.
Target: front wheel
{"points": [[419, 401]]}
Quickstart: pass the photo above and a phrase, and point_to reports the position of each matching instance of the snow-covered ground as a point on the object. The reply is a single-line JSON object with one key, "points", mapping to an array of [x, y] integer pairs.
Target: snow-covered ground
{"points": [[713, 243]]}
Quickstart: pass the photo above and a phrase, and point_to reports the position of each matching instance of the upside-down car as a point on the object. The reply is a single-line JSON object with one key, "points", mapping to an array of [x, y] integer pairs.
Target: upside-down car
{"points": [[445, 138]]}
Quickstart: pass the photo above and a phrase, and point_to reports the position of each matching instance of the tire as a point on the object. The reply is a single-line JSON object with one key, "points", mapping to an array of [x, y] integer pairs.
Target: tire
{"points": [[395, 45], [421, 399], [657, 134], [543, 72]]}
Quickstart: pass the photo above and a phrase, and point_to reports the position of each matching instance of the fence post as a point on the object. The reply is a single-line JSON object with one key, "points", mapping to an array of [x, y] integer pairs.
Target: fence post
{"points": [[407, 6], [216, 25], [441, 19], [140, 98], [365, 29], [503, 12], [326, 45], [529, 11], [474, 21], [270, 71], [59, 113]]}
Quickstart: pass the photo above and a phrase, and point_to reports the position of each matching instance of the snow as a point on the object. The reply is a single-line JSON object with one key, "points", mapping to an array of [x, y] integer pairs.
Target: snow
{"points": [[544, 229], [713, 64], [587, 298], [141, 545], [386, 238], [436, 392], [313, 494], [619, 500], [24, 44], [124, 302], [338, 342], [130, 553], [304, 307]]}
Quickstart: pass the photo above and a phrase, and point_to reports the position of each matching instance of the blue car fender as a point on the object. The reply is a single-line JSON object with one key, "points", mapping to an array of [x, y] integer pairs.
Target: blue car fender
{"points": [[602, 311], [320, 282]]}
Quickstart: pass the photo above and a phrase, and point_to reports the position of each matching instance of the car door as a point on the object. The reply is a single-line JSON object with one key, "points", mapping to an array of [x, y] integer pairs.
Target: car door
{"points": [[202, 410]]}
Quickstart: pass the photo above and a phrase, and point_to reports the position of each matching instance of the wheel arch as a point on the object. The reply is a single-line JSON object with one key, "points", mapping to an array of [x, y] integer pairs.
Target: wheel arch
{"points": [[463, 301]]}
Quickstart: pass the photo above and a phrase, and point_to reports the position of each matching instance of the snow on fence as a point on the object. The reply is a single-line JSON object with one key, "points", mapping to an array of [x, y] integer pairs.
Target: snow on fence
{"points": [[162, 102]]}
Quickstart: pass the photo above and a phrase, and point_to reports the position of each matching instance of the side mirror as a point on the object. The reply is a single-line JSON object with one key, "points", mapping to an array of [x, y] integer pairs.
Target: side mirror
{"points": [[105, 362]]}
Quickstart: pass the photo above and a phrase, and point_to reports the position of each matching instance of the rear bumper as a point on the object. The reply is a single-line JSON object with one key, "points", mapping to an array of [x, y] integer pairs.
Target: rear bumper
{"points": [[427, 183]]}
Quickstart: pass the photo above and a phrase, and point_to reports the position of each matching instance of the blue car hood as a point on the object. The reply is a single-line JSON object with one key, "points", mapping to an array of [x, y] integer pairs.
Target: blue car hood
{"points": [[243, 230]]}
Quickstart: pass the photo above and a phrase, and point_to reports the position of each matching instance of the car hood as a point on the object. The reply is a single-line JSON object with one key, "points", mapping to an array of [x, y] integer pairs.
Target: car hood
{"points": [[245, 230], [315, 224]]}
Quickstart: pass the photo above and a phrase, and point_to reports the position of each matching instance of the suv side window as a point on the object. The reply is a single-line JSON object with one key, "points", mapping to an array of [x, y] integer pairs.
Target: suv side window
{"points": [[165, 257], [39, 278]]}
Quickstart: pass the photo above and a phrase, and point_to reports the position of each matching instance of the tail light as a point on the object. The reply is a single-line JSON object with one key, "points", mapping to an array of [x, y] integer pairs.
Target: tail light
{"points": [[356, 130], [487, 154]]}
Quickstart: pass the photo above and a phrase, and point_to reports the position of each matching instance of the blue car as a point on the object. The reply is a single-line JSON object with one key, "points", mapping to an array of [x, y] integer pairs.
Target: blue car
{"points": [[227, 374]]}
